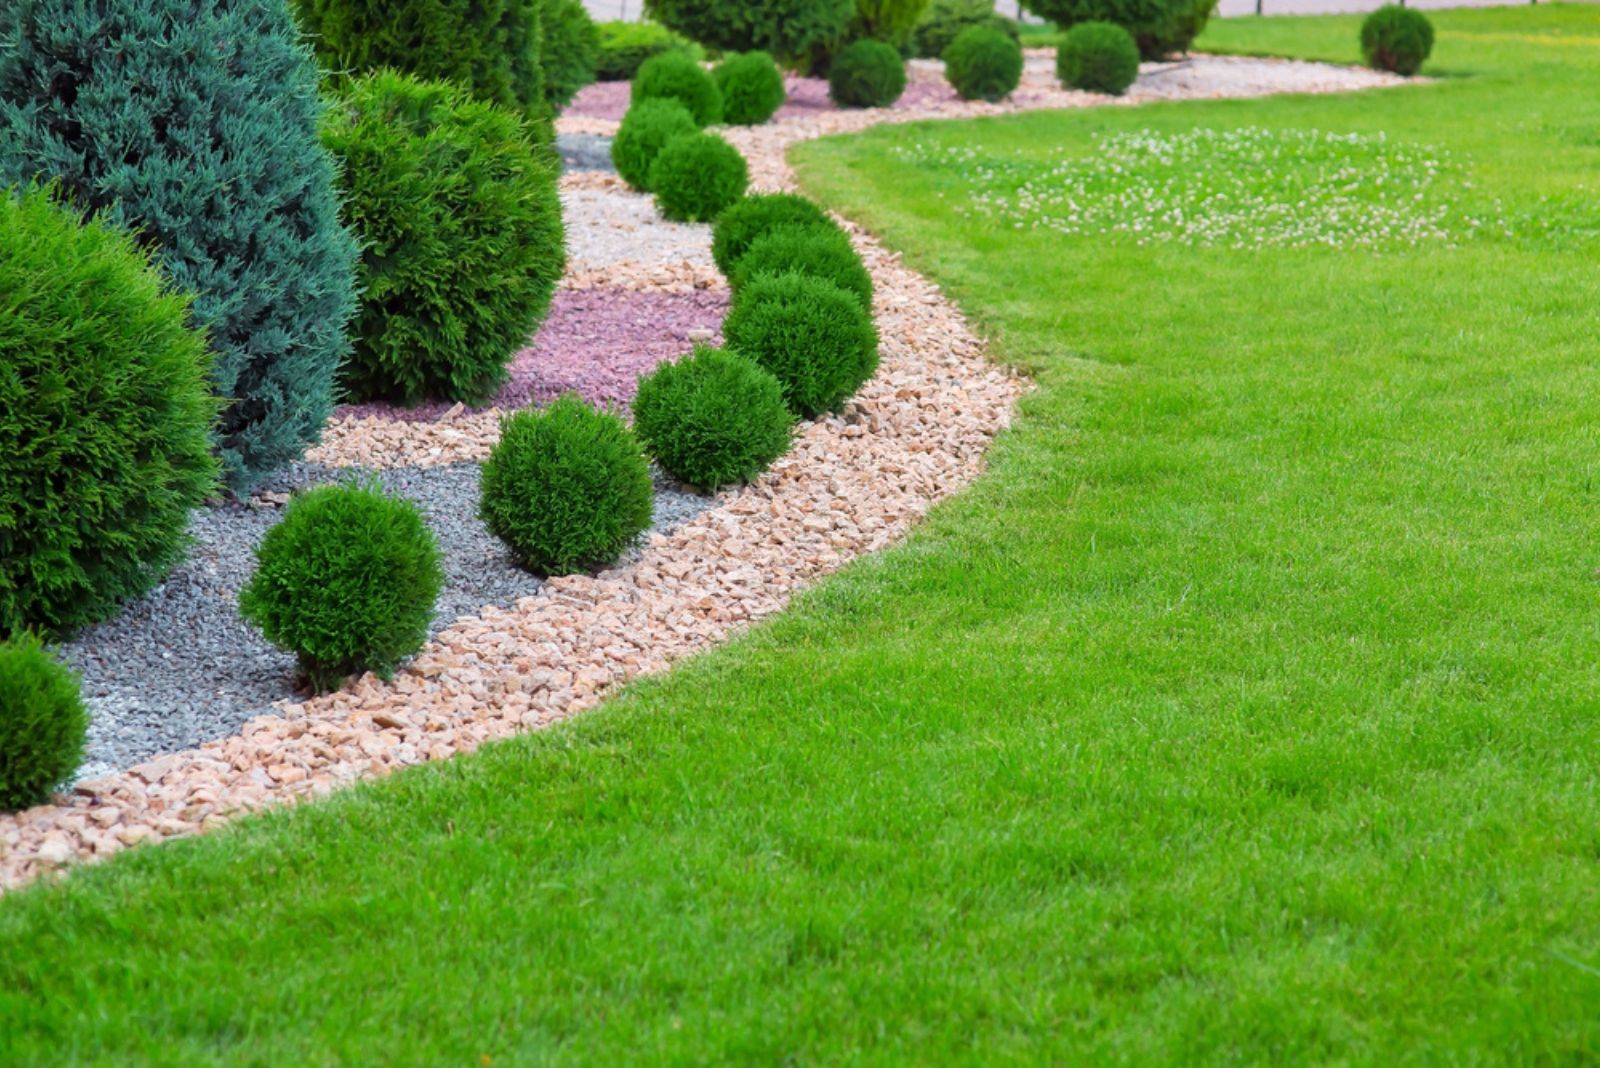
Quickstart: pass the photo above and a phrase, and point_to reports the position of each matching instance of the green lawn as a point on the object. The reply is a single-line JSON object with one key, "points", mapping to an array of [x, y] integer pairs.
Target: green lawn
{"points": [[1247, 710]]}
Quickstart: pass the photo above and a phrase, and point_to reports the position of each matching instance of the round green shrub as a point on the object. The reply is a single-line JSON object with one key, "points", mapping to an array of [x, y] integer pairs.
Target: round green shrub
{"points": [[626, 45], [566, 488], [712, 418], [675, 76], [1397, 39], [346, 581], [787, 29], [43, 723], [105, 419], [1159, 27], [752, 88], [815, 338], [1098, 57], [569, 49], [643, 133], [867, 74], [739, 226], [821, 252], [460, 219], [697, 176], [983, 64], [945, 19]]}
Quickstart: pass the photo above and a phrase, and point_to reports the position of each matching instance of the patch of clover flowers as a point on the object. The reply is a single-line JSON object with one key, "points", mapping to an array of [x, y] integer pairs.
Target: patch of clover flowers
{"points": [[1243, 188]]}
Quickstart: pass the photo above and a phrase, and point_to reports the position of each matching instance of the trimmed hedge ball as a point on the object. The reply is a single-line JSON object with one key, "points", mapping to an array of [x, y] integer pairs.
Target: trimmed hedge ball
{"points": [[867, 74], [815, 338], [675, 76], [752, 88], [43, 723], [644, 132], [697, 176], [945, 19], [1397, 39], [810, 250], [346, 581], [712, 418], [754, 216], [567, 488], [983, 64], [1100, 57]]}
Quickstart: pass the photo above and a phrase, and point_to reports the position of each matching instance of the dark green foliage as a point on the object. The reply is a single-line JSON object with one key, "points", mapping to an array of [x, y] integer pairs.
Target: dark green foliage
{"points": [[346, 581], [1159, 27], [461, 222], [105, 419], [567, 488], [194, 122], [890, 21], [945, 19], [752, 88], [624, 46], [697, 176], [750, 218], [1397, 39], [818, 251], [867, 74], [712, 418], [1099, 57], [569, 49], [983, 64], [788, 29], [675, 76], [643, 133], [815, 338], [43, 723]]}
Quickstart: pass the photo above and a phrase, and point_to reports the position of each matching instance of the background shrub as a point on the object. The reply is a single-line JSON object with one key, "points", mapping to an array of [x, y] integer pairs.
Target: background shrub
{"points": [[983, 64], [712, 418], [890, 21], [752, 88], [867, 74], [821, 252], [1397, 39], [754, 216], [626, 45], [696, 176], [1159, 27], [569, 49], [643, 133], [202, 136], [673, 75], [461, 223], [815, 338], [1098, 57], [945, 19], [346, 581], [43, 724], [566, 488], [787, 29], [105, 415]]}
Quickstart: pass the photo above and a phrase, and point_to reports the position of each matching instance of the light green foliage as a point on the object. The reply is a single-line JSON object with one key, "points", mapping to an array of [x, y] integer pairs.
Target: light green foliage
{"points": [[43, 723]]}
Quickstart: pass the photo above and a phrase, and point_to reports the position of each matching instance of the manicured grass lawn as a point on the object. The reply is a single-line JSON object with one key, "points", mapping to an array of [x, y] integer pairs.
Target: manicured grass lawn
{"points": [[1247, 710]]}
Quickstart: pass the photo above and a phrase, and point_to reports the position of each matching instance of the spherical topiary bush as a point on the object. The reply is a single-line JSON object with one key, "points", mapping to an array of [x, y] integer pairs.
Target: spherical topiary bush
{"points": [[754, 216], [815, 338], [752, 88], [867, 74], [675, 76], [643, 133], [787, 29], [983, 64], [346, 581], [460, 219], [712, 418], [696, 176], [569, 49], [566, 488], [1098, 57], [821, 252], [43, 723], [945, 19], [1159, 27], [105, 419], [1397, 39]]}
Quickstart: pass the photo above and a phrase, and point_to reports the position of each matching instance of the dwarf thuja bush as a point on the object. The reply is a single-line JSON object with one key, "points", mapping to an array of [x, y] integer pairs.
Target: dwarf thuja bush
{"points": [[674, 76], [43, 723], [1159, 27], [624, 46], [105, 419], [346, 581], [460, 221], [696, 176], [787, 29], [1098, 57], [712, 418], [983, 64], [754, 216], [194, 123], [867, 74], [821, 252], [945, 19], [815, 338], [566, 488], [1397, 39], [643, 133], [752, 88], [569, 49]]}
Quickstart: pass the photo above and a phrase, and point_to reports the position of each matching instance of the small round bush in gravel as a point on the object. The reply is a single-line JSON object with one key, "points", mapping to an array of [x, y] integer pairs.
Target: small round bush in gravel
{"points": [[712, 418], [1397, 39], [676, 76], [43, 723], [1099, 57], [644, 132], [754, 216], [983, 64], [697, 176], [566, 488], [820, 252], [346, 581], [752, 88], [867, 74], [945, 19], [815, 338]]}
